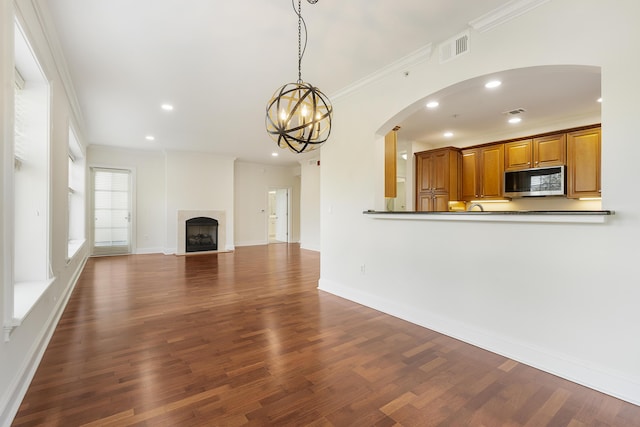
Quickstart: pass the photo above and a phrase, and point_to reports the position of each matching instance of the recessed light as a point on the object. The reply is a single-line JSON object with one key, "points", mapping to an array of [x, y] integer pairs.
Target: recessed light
{"points": [[274, 154], [600, 99], [432, 104], [167, 107], [448, 134], [150, 137], [515, 120], [493, 84]]}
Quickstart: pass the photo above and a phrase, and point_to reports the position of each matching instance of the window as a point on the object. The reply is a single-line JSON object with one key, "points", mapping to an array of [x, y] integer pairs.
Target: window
{"points": [[76, 219], [31, 267]]}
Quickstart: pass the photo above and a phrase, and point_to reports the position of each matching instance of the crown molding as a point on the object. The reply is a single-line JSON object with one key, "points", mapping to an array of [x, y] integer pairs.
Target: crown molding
{"points": [[484, 23], [53, 42], [504, 14], [420, 55]]}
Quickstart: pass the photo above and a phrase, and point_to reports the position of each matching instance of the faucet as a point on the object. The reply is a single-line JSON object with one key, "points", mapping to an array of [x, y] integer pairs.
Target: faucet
{"points": [[473, 205]]}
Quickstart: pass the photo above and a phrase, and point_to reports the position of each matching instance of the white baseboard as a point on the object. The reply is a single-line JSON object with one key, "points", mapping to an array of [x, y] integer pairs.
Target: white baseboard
{"points": [[252, 243], [575, 370], [310, 248], [18, 388], [145, 251]]}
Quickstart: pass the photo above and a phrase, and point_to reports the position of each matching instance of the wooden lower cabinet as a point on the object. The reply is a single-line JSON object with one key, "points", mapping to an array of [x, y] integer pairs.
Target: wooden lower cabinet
{"points": [[437, 179], [433, 202], [483, 172], [583, 163]]}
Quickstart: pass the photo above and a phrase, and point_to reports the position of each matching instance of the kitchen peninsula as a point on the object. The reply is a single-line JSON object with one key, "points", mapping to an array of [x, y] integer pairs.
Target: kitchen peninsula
{"points": [[586, 216]]}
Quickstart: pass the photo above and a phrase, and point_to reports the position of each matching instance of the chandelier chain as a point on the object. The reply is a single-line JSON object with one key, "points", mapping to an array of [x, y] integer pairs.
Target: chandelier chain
{"points": [[299, 42], [302, 25]]}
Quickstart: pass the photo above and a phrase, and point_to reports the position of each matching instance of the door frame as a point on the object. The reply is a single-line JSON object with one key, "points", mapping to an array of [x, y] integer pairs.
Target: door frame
{"points": [[276, 188], [132, 196]]}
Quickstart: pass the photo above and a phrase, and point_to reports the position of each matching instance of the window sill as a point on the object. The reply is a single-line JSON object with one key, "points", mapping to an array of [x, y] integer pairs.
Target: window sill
{"points": [[25, 297], [73, 248]]}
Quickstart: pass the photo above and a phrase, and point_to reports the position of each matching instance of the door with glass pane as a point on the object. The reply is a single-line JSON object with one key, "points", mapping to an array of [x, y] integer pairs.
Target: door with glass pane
{"points": [[111, 211]]}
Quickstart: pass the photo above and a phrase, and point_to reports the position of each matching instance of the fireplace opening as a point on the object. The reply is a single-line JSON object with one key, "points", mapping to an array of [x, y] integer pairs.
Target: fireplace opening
{"points": [[201, 234]]}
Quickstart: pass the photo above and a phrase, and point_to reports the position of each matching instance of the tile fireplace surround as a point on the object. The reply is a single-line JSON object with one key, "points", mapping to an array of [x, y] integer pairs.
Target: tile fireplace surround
{"points": [[184, 215]]}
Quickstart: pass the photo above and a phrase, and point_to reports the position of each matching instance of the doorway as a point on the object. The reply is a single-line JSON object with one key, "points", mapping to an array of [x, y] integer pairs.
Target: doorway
{"points": [[111, 211], [278, 220]]}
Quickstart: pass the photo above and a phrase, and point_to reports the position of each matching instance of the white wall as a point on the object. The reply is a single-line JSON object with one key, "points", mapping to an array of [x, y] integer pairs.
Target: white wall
{"points": [[310, 204], [198, 181], [561, 297], [252, 183], [166, 182], [21, 354]]}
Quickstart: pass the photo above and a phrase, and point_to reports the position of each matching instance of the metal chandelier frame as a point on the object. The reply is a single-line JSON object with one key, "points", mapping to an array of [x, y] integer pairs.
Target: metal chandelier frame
{"points": [[298, 114]]}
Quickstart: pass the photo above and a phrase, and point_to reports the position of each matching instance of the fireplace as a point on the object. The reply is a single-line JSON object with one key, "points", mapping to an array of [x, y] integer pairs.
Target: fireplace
{"points": [[181, 236], [201, 234]]}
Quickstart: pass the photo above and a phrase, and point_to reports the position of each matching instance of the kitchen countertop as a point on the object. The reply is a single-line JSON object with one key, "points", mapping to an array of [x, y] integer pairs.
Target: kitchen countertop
{"points": [[586, 216]]}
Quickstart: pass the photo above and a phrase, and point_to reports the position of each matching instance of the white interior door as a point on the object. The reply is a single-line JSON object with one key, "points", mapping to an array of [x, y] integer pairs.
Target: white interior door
{"points": [[111, 211], [282, 215]]}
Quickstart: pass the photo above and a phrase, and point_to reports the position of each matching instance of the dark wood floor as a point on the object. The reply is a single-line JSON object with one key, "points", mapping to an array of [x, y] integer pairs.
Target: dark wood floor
{"points": [[245, 338]]}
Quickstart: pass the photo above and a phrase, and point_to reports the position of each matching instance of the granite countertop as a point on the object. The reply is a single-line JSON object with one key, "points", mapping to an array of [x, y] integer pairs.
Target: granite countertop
{"points": [[550, 216], [603, 212]]}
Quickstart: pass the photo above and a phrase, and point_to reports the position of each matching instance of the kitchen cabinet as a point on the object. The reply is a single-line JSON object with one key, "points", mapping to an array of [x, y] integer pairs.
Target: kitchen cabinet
{"points": [[583, 163], [517, 155], [549, 150], [535, 152], [483, 172], [437, 179]]}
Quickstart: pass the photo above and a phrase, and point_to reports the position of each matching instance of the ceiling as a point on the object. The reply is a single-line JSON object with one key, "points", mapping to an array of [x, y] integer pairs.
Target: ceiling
{"points": [[544, 98], [219, 62]]}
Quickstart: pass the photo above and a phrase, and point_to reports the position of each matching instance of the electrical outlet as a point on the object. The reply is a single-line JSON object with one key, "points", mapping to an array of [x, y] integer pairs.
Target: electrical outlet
{"points": [[363, 269]]}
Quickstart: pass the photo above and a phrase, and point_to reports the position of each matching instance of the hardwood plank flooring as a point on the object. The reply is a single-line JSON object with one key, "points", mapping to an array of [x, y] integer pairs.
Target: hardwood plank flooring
{"points": [[245, 338]]}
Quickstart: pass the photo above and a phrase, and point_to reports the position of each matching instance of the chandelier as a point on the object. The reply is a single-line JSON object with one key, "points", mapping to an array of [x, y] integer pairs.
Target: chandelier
{"points": [[299, 114]]}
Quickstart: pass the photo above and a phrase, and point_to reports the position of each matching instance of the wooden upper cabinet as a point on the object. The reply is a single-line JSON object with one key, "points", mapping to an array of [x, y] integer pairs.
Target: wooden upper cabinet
{"points": [[440, 176], [535, 153], [483, 172], [583, 163], [517, 155], [423, 169], [437, 180], [390, 164], [492, 167], [470, 177], [549, 150]]}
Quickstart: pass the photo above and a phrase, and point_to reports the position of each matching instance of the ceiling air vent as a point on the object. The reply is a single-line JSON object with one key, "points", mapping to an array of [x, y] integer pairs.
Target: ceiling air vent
{"points": [[514, 112], [454, 47]]}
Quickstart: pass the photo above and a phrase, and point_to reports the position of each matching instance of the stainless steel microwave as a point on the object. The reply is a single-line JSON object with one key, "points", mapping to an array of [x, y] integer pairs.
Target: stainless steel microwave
{"points": [[549, 181]]}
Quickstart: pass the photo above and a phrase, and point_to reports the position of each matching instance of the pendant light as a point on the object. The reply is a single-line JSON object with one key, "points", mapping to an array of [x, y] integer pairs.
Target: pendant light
{"points": [[299, 114]]}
